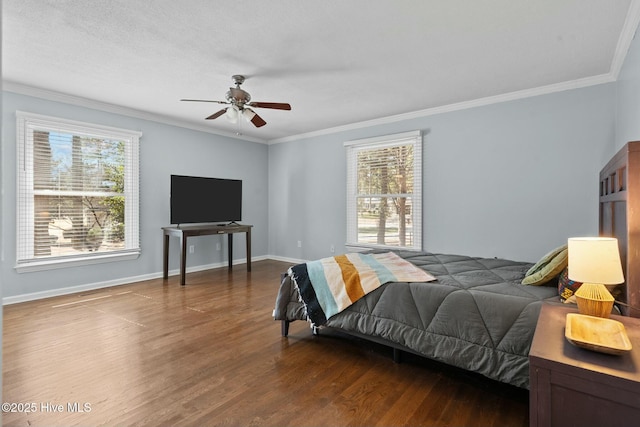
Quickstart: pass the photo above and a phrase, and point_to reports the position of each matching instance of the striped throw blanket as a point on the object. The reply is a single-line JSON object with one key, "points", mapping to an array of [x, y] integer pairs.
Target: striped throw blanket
{"points": [[329, 285]]}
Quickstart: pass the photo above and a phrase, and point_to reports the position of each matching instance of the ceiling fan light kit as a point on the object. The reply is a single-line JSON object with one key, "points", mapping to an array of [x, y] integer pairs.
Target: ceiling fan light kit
{"points": [[240, 101]]}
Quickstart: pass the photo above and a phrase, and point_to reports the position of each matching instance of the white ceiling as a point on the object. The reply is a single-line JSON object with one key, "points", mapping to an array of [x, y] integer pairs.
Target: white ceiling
{"points": [[338, 63]]}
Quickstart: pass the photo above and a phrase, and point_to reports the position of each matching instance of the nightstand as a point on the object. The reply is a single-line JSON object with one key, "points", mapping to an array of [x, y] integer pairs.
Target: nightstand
{"points": [[572, 386]]}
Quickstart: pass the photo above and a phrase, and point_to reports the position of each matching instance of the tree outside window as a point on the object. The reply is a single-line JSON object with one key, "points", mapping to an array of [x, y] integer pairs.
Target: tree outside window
{"points": [[384, 192], [78, 194]]}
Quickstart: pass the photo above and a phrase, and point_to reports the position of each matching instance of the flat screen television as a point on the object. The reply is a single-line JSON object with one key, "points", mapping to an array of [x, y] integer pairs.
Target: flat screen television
{"points": [[197, 199]]}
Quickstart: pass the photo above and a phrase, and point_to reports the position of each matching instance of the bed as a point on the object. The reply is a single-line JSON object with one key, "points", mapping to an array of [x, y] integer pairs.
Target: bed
{"points": [[477, 315]]}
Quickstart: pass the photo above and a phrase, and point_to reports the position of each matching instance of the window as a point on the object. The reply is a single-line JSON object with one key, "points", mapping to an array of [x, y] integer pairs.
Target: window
{"points": [[77, 199], [384, 191]]}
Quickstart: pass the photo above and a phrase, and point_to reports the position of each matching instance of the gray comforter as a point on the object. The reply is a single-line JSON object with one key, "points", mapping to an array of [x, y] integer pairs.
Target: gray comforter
{"points": [[476, 316]]}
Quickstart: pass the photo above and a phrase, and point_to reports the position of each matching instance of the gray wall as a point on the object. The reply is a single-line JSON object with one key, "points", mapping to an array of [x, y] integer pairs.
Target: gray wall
{"points": [[163, 150], [513, 180]]}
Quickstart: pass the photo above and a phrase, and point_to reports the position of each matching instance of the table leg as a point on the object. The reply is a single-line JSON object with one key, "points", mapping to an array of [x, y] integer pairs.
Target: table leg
{"points": [[165, 264], [230, 246], [249, 249], [183, 259]]}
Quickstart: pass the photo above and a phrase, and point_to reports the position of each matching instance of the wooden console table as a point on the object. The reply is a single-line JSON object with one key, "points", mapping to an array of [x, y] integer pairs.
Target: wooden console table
{"points": [[182, 233]]}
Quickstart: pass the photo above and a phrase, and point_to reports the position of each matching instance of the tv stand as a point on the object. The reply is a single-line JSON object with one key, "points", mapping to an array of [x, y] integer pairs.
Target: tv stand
{"points": [[184, 232]]}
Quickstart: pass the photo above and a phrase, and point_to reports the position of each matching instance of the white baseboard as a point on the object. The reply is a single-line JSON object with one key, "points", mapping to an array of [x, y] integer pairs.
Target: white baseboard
{"points": [[292, 261], [116, 282]]}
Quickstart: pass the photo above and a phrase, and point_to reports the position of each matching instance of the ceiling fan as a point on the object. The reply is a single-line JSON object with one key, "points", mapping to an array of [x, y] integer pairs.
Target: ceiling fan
{"points": [[239, 102]]}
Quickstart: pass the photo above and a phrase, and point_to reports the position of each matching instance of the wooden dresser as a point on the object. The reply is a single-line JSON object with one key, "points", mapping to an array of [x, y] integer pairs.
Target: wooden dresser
{"points": [[572, 386]]}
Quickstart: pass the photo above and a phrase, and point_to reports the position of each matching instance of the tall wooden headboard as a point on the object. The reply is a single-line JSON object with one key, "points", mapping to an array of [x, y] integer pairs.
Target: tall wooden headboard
{"points": [[620, 218]]}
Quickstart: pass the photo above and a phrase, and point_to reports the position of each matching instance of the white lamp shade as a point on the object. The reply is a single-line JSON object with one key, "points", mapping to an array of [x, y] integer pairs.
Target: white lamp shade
{"points": [[248, 114], [595, 260], [232, 114]]}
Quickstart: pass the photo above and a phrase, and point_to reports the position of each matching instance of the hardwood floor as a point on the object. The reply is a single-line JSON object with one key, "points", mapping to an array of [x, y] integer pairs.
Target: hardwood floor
{"points": [[209, 353]]}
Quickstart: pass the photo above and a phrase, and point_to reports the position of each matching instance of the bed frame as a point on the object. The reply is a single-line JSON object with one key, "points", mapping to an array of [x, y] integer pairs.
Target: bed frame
{"points": [[620, 218]]}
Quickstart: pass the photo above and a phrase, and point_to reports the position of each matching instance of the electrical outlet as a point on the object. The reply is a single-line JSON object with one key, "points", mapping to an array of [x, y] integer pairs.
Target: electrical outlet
{"points": [[332, 249], [192, 249], [299, 243]]}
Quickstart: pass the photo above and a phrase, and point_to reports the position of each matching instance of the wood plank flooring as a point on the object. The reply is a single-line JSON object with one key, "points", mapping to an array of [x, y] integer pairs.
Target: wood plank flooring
{"points": [[209, 353]]}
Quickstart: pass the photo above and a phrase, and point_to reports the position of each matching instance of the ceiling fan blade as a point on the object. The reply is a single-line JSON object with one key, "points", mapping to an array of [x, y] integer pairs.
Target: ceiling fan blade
{"points": [[258, 121], [204, 100], [274, 105], [216, 115]]}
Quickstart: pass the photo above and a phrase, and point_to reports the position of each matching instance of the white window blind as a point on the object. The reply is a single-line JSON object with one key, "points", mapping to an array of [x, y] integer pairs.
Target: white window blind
{"points": [[384, 191], [77, 200]]}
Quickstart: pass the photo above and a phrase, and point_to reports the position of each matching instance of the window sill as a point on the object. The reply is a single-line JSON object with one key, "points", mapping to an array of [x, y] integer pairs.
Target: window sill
{"points": [[359, 247], [51, 264]]}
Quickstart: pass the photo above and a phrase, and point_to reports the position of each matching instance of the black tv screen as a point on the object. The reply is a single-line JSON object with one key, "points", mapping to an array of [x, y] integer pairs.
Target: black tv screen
{"points": [[199, 200]]}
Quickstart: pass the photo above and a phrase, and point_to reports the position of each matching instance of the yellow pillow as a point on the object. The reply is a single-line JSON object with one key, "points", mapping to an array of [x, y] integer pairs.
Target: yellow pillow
{"points": [[548, 267]]}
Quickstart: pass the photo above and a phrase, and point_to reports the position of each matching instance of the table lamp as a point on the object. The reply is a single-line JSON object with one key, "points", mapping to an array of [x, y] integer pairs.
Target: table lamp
{"points": [[594, 261]]}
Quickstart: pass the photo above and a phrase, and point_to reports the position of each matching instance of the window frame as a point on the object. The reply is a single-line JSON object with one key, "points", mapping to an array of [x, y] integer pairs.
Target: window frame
{"points": [[413, 138], [27, 123]]}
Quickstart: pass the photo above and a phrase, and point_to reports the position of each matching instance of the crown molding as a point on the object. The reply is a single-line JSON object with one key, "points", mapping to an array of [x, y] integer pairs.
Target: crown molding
{"points": [[130, 112], [511, 96], [10, 86], [626, 37]]}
